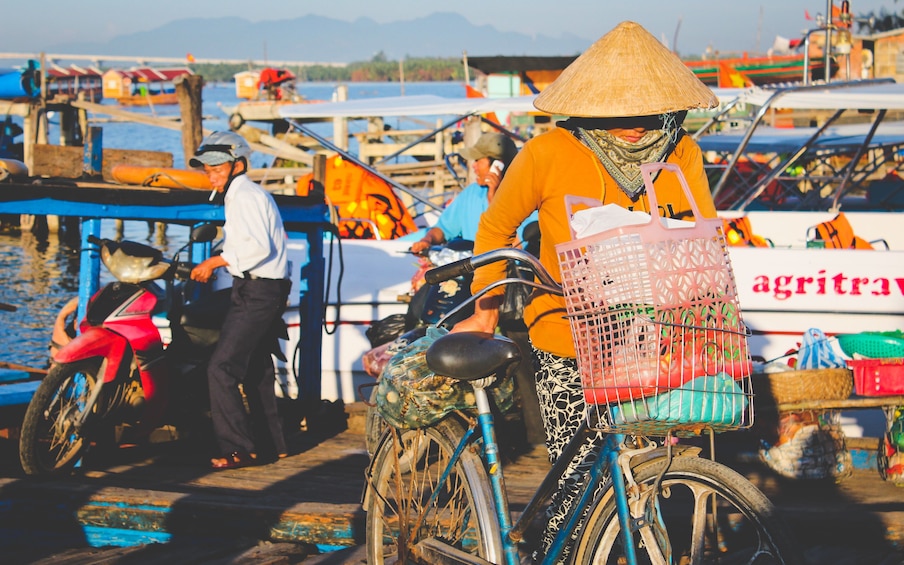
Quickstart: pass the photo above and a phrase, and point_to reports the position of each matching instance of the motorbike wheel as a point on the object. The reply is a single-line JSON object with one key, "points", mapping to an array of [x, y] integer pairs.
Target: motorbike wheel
{"points": [[51, 443]]}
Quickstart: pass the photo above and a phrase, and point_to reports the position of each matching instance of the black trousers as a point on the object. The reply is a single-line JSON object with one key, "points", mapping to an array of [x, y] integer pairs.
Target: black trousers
{"points": [[242, 357]]}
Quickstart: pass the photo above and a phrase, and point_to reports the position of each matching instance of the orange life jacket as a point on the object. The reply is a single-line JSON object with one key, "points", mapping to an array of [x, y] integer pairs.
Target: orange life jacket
{"points": [[739, 233], [837, 233]]}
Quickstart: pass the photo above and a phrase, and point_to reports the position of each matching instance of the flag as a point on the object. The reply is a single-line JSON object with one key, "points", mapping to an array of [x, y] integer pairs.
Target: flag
{"points": [[189, 57]]}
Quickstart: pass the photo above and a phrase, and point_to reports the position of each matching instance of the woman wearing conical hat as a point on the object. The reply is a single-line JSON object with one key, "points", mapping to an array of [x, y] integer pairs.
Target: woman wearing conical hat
{"points": [[625, 98]]}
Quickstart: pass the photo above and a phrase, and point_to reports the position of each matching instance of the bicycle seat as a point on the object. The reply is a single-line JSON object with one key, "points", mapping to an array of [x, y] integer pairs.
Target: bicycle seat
{"points": [[469, 356]]}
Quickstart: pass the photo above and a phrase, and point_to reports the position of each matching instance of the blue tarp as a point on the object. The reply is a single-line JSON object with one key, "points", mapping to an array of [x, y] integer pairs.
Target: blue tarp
{"points": [[19, 82]]}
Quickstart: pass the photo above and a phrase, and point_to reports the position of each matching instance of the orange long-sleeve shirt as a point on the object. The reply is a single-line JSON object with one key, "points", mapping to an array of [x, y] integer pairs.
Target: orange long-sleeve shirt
{"points": [[548, 168]]}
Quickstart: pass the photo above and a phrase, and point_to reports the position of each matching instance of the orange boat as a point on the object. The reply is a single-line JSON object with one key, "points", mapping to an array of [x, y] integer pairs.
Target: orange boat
{"points": [[160, 177]]}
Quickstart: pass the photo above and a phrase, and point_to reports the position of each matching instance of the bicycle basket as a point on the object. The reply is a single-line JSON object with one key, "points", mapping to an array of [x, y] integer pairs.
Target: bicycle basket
{"points": [[410, 395], [654, 313]]}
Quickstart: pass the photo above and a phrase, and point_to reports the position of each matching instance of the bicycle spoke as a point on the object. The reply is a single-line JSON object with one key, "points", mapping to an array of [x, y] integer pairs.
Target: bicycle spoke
{"points": [[411, 502]]}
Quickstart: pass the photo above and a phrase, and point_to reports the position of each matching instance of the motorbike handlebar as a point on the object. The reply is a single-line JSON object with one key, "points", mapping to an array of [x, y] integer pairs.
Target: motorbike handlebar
{"points": [[95, 240], [183, 270]]}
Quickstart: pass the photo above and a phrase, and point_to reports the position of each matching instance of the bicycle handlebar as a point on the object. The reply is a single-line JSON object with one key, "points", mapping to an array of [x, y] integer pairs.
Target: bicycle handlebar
{"points": [[468, 265]]}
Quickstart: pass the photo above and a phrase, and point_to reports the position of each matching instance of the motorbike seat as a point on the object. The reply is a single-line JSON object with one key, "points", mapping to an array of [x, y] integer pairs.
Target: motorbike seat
{"points": [[469, 356]]}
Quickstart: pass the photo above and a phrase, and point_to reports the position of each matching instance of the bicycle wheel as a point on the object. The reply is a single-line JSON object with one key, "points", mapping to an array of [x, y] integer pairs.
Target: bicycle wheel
{"points": [[407, 503], [374, 425], [708, 513], [49, 444]]}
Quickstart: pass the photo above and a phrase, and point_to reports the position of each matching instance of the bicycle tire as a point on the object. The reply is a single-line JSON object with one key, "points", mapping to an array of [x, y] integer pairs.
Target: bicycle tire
{"points": [[374, 424], [404, 473], [47, 445], [746, 528]]}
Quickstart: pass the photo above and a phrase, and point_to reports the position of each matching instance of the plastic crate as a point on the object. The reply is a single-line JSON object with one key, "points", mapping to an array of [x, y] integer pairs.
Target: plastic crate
{"points": [[875, 345], [878, 377]]}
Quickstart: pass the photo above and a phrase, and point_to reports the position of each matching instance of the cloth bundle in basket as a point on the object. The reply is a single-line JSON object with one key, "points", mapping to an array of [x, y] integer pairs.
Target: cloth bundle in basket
{"points": [[652, 307]]}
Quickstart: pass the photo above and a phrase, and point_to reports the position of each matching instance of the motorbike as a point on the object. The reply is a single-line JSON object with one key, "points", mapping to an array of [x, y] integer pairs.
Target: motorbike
{"points": [[118, 380]]}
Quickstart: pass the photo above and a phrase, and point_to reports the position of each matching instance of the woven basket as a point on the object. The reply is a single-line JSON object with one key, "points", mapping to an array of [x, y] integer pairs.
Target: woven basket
{"points": [[789, 387]]}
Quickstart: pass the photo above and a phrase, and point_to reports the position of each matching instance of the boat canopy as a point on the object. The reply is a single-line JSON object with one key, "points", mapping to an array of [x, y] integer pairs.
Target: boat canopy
{"points": [[809, 168], [428, 105], [420, 105], [769, 139], [856, 96]]}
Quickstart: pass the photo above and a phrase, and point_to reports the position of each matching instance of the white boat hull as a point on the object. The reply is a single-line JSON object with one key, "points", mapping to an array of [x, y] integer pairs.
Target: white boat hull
{"points": [[784, 291]]}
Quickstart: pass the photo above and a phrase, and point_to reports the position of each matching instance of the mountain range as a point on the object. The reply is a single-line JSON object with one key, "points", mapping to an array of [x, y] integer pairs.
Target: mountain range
{"points": [[322, 39]]}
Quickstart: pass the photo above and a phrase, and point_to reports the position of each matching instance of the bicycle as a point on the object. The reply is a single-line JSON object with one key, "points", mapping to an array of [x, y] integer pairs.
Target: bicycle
{"points": [[437, 494]]}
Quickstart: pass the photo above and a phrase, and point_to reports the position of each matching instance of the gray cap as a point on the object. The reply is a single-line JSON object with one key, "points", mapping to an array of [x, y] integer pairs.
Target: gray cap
{"points": [[220, 147], [210, 158]]}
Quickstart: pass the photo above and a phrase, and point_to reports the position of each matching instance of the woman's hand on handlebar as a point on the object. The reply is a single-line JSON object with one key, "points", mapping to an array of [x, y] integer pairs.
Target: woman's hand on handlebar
{"points": [[484, 319]]}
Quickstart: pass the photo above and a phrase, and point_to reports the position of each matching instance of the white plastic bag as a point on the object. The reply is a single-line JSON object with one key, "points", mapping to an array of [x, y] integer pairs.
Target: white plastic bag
{"points": [[816, 352]]}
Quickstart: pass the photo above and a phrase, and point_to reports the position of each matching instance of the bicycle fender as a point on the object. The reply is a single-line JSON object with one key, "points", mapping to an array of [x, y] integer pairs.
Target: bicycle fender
{"points": [[659, 453], [95, 342]]}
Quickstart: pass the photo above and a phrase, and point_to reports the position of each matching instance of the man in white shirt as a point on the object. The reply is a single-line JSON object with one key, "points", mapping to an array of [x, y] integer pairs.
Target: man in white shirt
{"points": [[254, 253]]}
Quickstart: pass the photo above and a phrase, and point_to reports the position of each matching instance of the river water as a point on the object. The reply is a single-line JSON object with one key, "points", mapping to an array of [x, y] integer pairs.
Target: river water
{"points": [[41, 272]]}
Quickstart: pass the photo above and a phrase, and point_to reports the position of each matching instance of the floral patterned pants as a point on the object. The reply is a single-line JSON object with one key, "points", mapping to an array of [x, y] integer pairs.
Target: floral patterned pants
{"points": [[562, 407]]}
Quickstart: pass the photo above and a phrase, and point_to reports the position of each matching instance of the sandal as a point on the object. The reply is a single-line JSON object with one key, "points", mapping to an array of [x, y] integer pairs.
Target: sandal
{"points": [[234, 460]]}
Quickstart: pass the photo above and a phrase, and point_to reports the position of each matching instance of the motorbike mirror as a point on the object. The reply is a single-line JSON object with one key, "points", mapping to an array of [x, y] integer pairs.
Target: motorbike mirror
{"points": [[203, 233]]}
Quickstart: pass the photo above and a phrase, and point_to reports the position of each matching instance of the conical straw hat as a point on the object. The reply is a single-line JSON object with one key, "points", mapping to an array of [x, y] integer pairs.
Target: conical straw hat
{"points": [[627, 72]]}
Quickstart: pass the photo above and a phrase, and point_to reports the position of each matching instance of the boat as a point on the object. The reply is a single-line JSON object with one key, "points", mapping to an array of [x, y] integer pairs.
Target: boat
{"points": [[143, 86], [513, 76], [749, 71], [828, 145], [262, 92]]}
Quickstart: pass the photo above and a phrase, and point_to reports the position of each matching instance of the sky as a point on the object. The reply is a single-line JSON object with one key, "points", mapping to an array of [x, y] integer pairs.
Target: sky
{"points": [[727, 26]]}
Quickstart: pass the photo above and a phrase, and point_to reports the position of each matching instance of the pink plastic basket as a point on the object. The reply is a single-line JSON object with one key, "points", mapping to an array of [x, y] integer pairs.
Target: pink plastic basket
{"points": [[652, 308], [878, 377]]}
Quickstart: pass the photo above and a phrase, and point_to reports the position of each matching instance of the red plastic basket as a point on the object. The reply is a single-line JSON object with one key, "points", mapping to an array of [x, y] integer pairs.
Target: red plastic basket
{"points": [[878, 377]]}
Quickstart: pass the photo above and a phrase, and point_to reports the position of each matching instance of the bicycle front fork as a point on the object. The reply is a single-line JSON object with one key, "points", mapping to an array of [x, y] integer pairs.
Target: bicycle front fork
{"points": [[494, 469]]}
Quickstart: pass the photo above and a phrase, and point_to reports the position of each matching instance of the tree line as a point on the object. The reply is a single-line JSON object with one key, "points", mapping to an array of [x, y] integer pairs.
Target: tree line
{"points": [[378, 69]]}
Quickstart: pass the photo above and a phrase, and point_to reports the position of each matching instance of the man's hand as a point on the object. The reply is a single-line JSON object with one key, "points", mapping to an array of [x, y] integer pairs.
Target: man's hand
{"points": [[418, 247], [205, 269]]}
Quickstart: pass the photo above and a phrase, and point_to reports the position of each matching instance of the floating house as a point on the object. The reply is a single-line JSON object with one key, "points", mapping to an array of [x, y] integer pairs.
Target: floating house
{"points": [[142, 86], [72, 80]]}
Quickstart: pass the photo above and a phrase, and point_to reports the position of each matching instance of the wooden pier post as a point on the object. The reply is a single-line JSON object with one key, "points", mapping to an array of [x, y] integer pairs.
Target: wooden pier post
{"points": [[94, 151], [472, 132], [318, 190], [340, 125], [188, 91]]}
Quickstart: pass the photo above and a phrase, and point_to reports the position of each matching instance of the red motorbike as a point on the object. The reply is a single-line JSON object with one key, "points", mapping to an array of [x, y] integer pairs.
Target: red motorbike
{"points": [[116, 380]]}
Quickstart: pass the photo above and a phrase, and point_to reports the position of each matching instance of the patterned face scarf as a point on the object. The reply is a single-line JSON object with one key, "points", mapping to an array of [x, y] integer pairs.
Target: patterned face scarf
{"points": [[623, 159]]}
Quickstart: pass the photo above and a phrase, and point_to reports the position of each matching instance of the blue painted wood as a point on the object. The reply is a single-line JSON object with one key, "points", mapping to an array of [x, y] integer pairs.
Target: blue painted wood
{"points": [[300, 215], [89, 266], [864, 459], [94, 151], [120, 537], [13, 375], [17, 394]]}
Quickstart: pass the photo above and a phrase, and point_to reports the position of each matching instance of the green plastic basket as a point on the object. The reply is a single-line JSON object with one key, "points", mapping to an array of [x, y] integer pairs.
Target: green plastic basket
{"points": [[873, 345]]}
